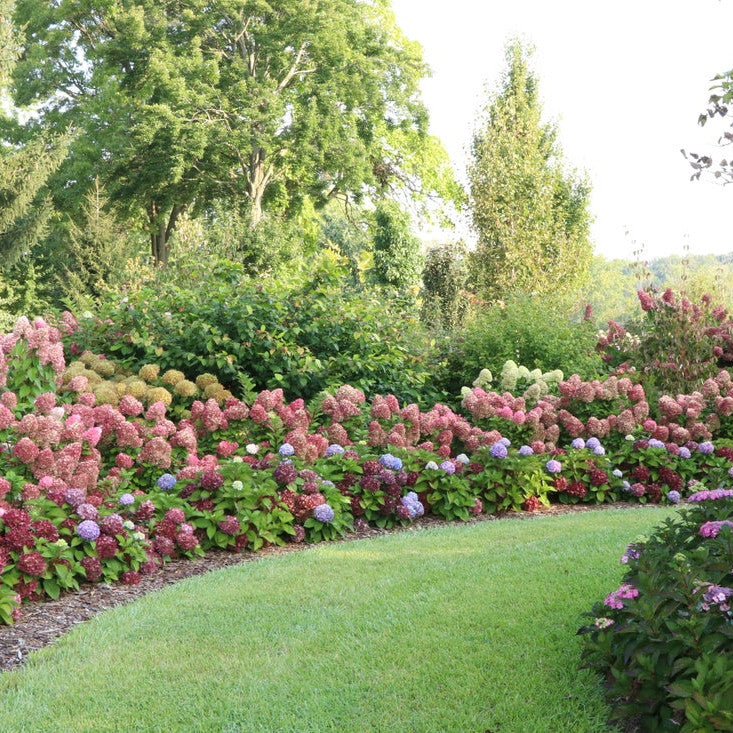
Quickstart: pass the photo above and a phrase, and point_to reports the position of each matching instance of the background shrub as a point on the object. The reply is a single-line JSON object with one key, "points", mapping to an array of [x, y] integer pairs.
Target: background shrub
{"points": [[536, 331]]}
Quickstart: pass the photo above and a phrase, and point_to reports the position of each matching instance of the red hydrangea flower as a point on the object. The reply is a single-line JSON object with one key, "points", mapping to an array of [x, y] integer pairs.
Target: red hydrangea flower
{"points": [[107, 546], [19, 537], [32, 563], [187, 540], [145, 511], [211, 480], [111, 524], [531, 504], [17, 518], [130, 577], [46, 529], [164, 546], [230, 525], [92, 567], [285, 474], [175, 515]]}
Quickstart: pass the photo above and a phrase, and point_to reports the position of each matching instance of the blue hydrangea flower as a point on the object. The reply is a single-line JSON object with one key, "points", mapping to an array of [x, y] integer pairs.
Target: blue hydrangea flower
{"points": [[592, 443], [599, 450], [553, 466], [498, 450], [390, 461], [286, 450], [706, 448], [127, 500], [324, 513], [526, 450], [674, 496], [684, 452], [88, 530], [166, 482], [448, 467], [413, 504], [578, 444], [654, 443], [505, 442], [334, 450]]}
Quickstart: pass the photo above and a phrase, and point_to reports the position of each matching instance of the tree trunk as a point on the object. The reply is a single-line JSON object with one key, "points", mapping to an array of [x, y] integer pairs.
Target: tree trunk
{"points": [[259, 176], [161, 231]]}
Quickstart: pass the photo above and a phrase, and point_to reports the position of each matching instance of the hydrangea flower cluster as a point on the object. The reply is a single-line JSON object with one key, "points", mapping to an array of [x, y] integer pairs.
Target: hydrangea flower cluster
{"points": [[413, 505], [324, 513], [617, 598]]}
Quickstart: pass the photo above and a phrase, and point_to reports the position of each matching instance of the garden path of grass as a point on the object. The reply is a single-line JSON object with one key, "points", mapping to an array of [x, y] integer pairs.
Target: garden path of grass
{"points": [[463, 628]]}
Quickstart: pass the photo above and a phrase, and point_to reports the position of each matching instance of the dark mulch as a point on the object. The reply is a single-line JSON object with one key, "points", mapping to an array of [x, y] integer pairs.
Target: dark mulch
{"points": [[42, 623]]}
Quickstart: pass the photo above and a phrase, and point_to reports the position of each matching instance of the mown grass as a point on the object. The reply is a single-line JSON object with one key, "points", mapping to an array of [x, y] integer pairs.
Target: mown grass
{"points": [[465, 628]]}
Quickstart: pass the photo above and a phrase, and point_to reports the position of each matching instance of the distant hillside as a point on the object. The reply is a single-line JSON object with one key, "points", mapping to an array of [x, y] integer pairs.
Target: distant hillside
{"points": [[613, 283]]}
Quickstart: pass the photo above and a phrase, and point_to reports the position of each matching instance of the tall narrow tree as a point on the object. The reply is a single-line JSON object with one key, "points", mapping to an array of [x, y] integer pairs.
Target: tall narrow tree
{"points": [[530, 215]]}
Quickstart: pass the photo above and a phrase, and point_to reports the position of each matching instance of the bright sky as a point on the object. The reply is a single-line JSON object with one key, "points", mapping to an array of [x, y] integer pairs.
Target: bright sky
{"points": [[624, 80]]}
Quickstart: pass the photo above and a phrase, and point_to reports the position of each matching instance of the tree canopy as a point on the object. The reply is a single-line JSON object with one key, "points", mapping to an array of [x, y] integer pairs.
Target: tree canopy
{"points": [[531, 216], [179, 103]]}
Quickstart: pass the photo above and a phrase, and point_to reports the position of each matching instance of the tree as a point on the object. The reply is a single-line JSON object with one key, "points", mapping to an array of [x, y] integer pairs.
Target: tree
{"points": [[720, 98], [24, 170], [179, 103], [531, 216], [397, 257]]}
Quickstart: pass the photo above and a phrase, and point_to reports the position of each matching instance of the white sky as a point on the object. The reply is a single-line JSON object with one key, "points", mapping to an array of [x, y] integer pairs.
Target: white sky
{"points": [[624, 80]]}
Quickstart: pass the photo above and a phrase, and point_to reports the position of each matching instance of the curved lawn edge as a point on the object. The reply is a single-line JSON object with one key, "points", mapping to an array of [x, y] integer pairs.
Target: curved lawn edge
{"points": [[453, 628]]}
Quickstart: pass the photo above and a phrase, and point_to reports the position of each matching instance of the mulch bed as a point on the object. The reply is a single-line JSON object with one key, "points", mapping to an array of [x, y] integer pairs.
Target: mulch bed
{"points": [[42, 623]]}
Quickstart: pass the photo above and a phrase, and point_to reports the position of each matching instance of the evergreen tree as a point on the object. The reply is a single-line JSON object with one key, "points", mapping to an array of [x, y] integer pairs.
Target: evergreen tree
{"points": [[24, 207], [531, 216]]}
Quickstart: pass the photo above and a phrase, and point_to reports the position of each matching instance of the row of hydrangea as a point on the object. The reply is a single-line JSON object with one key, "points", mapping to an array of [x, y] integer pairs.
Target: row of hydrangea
{"points": [[95, 490]]}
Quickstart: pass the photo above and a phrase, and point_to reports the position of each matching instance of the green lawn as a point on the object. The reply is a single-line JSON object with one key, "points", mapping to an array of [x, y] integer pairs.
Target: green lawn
{"points": [[466, 628]]}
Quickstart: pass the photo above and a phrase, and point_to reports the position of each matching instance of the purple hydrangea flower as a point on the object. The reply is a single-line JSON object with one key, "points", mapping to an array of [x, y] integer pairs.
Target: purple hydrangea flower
{"points": [[599, 450], [413, 504], [578, 444], [554, 466], [391, 462], [592, 443], [87, 511], [654, 443], [706, 448], [498, 450], [448, 467], [127, 500], [684, 452], [505, 442], [166, 482], [74, 497], [286, 450], [334, 450], [324, 513], [526, 450], [88, 530], [710, 495], [674, 496]]}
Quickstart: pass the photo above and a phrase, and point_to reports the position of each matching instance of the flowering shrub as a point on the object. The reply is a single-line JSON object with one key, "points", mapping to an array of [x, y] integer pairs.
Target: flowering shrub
{"points": [[662, 640], [105, 474], [681, 344]]}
